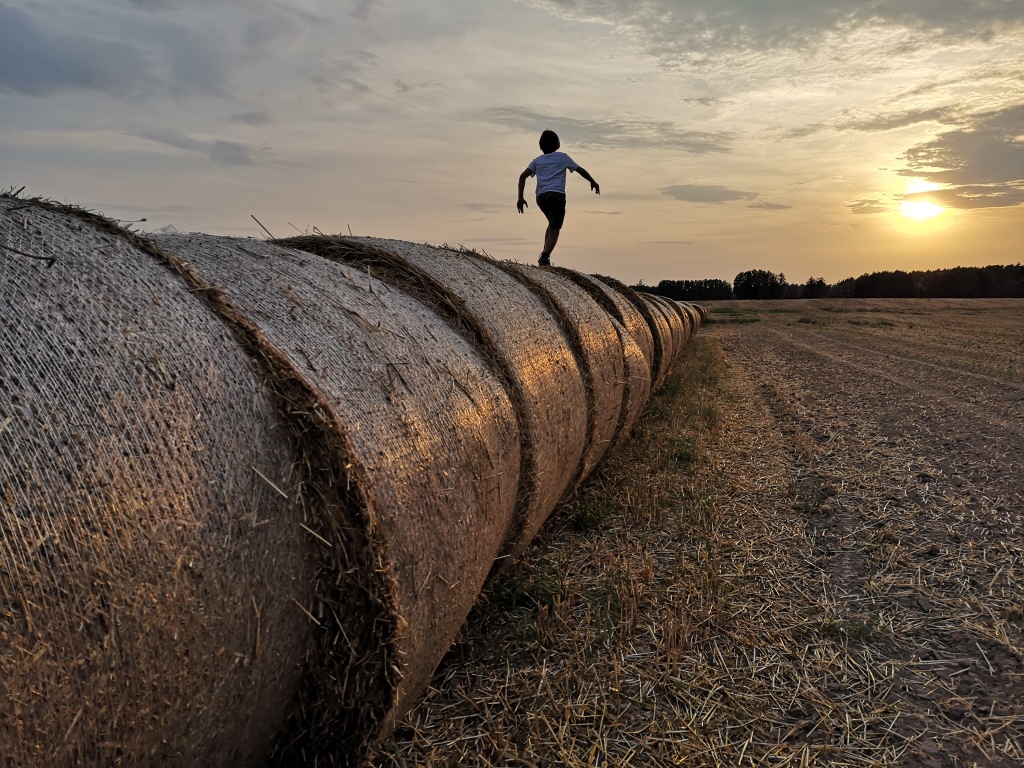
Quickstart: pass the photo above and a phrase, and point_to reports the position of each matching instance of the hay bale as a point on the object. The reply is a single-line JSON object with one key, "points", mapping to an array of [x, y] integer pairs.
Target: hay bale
{"points": [[677, 319], [638, 385], [516, 332], [618, 307], [598, 349], [661, 343], [149, 567], [664, 334], [432, 449]]}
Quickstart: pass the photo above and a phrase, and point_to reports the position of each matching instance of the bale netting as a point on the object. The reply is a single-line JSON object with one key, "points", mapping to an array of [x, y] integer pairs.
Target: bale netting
{"points": [[677, 319], [661, 342], [619, 307], [150, 550], [638, 385], [431, 446], [598, 348], [696, 311], [514, 329], [665, 336]]}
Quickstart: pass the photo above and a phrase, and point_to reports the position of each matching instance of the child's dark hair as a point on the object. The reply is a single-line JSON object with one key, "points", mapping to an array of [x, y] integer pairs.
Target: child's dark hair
{"points": [[549, 142]]}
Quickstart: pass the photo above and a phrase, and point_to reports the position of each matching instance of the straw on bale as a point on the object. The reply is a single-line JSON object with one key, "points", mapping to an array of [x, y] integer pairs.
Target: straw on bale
{"points": [[677, 319], [598, 349], [638, 385], [150, 549], [697, 309], [661, 343], [514, 329], [665, 336], [619, 308], [432, 450]]}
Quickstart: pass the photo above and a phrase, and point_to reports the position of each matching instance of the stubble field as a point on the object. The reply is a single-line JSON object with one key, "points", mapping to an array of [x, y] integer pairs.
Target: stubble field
{"points": [[810, 554]]}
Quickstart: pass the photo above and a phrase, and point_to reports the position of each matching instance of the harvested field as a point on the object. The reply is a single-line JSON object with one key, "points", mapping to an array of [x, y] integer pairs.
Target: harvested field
{"points": [[811, 555]]}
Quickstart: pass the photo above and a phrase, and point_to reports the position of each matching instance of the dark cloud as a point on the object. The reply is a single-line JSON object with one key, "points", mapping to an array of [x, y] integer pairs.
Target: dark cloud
{"points": [[692, 29], [252, 117], [867, 206], [403, 87], [141, 59], [363, 9], [219, 151], [885, 121], [982, 164], [770, 206], [703, 101], [632, 133], [893, 120], [693, 193], [36, 63], [334, 74], [974, 196]]}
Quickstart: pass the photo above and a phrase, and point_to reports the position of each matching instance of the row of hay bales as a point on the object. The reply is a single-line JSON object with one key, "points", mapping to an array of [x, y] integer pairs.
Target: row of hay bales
{"points": [[251, 490]]}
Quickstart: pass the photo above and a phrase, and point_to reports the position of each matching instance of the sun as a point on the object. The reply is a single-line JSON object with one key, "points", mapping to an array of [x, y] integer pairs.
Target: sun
{"points": [[918, 209]]}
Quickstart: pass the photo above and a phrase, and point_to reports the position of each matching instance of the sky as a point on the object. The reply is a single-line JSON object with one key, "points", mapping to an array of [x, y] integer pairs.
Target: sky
{"points": [[823, 138]]}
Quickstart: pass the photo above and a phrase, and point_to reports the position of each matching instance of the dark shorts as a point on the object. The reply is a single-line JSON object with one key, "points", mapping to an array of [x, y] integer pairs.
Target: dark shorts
{"points": [[553, 206]]}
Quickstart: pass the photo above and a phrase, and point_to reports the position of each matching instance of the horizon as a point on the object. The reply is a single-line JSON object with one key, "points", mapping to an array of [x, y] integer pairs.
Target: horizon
{"points": [[814, 139]]}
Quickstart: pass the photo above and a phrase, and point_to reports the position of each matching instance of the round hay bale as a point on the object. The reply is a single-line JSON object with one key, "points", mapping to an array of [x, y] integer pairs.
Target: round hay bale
{"points": [[431, 446], [149, 558], [677, 319], [512, 328], [598, 350], [638, 385], [619, 307], [664, 336], [702, 311], [661, 343]]}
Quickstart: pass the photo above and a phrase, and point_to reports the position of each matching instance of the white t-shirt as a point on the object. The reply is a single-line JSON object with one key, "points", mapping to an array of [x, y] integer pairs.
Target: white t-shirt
{"points": [[550, 171]]}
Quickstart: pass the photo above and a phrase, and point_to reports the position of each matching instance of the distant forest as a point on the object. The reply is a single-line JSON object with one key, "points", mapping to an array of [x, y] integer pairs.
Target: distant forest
{"points": [[957, 283]]}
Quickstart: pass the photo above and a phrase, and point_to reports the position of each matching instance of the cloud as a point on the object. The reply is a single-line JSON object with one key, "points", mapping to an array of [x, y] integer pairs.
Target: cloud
{"points": [[694, 29], [974, 196], [884, 121], [333, 74], [252, 117], [770, 206], [893, 120], [36, 63], [990, 150], [219, 151], [692, 193], [632, 133], [982, 163], [865, 206], [704, 101], [136, 55], [363, 9], [403, 87]]}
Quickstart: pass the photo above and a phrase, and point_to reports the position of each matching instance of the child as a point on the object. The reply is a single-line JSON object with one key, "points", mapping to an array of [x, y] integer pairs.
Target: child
{"points": [[550, 170]]}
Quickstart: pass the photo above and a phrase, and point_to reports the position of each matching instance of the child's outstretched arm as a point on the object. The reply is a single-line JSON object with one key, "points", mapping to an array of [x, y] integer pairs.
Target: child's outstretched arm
{"points": [[593, 184], [521, 202]]}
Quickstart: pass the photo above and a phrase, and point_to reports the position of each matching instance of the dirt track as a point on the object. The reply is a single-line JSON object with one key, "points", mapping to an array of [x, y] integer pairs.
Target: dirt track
{"points": [[902, 427]]}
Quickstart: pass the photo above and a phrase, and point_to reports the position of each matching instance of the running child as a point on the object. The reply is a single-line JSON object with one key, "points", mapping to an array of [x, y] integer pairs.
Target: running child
{"points": [[550, 170]]}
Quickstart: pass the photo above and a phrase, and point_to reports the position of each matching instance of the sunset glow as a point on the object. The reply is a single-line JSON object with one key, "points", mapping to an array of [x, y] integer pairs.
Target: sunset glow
{"points": [[799, 137]]}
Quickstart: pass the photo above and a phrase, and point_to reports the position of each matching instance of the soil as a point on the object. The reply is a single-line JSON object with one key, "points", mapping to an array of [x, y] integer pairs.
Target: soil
{"points": [[902, 424]]}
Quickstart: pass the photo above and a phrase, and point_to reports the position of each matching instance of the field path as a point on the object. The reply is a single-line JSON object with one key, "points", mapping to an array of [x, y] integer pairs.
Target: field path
{"points": [[911, 476]]}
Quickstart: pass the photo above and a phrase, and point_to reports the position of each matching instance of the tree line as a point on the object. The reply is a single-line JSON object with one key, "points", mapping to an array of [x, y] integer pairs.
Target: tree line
{"points": [[996, 281]]}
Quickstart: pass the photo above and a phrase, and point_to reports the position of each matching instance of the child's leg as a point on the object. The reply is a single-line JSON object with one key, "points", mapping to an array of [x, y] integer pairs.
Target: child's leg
{"points": [[550, 238]]}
